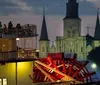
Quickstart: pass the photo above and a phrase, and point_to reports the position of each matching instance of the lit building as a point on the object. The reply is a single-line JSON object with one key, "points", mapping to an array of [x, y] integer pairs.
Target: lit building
{"points": [[16, 62], [71, 41]]}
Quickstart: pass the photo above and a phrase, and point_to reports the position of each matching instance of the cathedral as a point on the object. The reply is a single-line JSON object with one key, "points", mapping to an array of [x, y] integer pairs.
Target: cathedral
{"points": [[71, 41]]}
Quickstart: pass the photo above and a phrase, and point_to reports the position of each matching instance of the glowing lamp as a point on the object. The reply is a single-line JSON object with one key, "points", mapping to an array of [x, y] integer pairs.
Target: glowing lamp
{"points": [[17, 39], [37, 50], [94, 66]]}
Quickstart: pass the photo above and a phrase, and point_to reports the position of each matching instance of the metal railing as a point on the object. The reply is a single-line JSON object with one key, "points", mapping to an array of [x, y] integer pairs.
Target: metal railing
{"points": [[8, 55], [31, 32]]}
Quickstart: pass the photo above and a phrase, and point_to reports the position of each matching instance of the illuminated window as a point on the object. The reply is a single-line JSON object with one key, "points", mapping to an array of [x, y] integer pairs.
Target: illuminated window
{"points": [[0, 81], [4, 81]]}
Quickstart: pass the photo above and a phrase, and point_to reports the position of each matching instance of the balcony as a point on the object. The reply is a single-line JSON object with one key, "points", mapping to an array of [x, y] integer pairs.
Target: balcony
{"points": [[20, 54], [8, 55], [21, 31]]}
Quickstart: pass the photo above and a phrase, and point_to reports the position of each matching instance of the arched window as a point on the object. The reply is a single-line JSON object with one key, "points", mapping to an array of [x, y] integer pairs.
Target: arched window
{"points": [[71, 50], [68, 33], [0, 81], [73, 33], [81, 49], [43, 49], [76, 47], [4, 81], [64, 47]]}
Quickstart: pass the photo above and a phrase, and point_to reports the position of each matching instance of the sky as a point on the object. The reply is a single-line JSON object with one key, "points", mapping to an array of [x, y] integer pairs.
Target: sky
{"points": [[30, 12]]}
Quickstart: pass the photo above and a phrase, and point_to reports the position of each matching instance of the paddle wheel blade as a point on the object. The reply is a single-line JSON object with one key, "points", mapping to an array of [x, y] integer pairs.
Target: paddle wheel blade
{"points": [[57, 68]]}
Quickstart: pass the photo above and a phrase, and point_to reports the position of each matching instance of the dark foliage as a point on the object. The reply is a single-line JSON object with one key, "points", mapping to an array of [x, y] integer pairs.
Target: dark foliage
{"points": [[94, 55]]}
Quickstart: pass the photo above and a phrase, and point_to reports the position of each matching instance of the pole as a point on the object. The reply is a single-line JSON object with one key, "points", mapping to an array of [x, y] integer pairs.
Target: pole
{"points": [[60, 44], [16, 72], [36, 42], [36, 48], [24, 43]]}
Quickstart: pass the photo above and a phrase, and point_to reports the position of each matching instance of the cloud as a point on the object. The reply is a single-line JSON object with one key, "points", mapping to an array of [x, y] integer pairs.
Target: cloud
{"points": [[54, 7], [92, 0], [14, 7], [58, 7], [21, 4], [87, 7], [95, 2]]}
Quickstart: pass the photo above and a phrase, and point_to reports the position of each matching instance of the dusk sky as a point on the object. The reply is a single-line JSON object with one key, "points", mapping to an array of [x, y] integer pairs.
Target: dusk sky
{"points": [[30, 12]]}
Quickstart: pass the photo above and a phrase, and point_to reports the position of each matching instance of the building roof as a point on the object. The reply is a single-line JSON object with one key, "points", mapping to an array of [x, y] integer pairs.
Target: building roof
{"points": [[72, 1], [72, 9], [97, 28], [44, 33]]}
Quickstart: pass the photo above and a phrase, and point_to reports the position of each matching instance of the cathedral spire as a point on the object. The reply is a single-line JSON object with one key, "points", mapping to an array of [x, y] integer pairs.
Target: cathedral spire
{"points": [[71, 1], [44, 34], [97, 28], [72, 9]]}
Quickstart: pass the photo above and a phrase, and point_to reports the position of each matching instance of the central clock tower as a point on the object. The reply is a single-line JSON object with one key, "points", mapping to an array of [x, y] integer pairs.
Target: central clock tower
{"points": [[72, 22]]}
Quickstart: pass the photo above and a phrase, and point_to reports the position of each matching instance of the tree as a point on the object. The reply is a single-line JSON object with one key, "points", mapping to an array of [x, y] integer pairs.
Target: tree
{"points": [[94, 55]]}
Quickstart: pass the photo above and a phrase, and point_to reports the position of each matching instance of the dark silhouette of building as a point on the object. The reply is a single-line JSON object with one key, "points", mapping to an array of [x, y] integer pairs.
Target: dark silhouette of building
{"points": [[97, 28], [44, 40], [44, 33], [72, 9]]}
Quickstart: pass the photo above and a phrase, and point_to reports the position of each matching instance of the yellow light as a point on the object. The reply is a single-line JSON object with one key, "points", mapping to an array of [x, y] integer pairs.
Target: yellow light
{"points": [[22, 51], [21, 65], [4, 45], [4, 81], [94, 66], [37, 50], [0, 81]]}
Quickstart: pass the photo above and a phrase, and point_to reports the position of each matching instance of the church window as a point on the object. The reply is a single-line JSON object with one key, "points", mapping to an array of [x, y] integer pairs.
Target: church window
{"points": [[68, 33], [76, 47], [81, 49], [64, 46], [43, 49], [4, 81], [70, 50], [73, 33]]}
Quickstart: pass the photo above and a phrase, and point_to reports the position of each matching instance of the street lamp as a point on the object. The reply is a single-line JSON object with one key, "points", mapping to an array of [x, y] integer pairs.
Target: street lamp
{"points": [[17, 39], [94, 66]]}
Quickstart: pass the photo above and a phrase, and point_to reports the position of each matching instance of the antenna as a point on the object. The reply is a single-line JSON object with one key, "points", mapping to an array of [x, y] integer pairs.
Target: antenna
{"points": [[44, 11]]}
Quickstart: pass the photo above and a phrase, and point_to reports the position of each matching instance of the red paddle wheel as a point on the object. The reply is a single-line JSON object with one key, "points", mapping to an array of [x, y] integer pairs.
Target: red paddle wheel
{"points": [[57, 68]]}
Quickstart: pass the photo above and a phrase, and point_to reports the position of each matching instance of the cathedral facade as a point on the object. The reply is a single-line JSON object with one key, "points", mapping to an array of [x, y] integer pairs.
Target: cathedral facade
{"points": [[71, 41]]}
